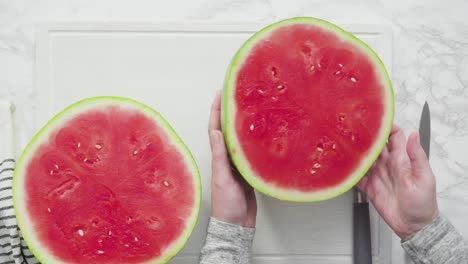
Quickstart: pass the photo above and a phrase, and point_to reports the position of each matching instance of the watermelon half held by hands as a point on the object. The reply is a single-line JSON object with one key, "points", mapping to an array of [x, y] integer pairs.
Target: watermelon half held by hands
{"points": [[107, 180], [307, 108]]}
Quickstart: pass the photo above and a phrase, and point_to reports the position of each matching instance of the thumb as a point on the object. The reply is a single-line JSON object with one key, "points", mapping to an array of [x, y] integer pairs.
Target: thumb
{"points": [[220, 162], [418, 158]]}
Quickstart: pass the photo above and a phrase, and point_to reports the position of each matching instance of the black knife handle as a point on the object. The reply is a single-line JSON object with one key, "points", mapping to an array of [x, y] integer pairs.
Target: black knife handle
{"points": [[362, 252]]}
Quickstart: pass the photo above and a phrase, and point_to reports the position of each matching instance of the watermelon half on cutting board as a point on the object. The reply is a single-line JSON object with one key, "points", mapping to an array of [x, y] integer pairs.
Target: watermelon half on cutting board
{"points": [[107, 180], [307, 108]]}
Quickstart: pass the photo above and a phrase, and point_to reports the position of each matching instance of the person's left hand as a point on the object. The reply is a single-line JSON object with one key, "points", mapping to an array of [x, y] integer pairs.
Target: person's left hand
{"points": [[232, 198]]}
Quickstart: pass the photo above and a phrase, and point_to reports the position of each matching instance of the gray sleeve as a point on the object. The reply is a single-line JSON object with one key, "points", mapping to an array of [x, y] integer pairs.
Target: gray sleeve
{"points": [[436, 243], [227, 244]]}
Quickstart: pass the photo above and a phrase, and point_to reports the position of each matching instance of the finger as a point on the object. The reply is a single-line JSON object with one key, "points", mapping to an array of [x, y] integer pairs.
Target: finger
{"points": [[376, 177], [252, 201], [215, 115], [418, 158], [397, 140], [385, 150], [220, 161], [384, 154], [241, 180], [394, 130], [251, 210], [381, 172], [368, 185], [362, 184]]}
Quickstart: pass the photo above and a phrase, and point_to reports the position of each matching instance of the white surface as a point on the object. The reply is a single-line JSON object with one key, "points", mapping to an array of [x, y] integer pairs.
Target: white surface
{"points": [[430, 60], [176, 69]]}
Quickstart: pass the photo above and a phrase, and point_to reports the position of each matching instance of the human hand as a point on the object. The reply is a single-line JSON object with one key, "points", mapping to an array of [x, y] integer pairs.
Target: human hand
{"points": [[232, 198], [401, 185]]}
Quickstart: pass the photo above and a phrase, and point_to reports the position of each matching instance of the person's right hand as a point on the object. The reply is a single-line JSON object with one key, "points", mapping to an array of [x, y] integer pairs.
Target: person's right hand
{"points": [[401, 185]]}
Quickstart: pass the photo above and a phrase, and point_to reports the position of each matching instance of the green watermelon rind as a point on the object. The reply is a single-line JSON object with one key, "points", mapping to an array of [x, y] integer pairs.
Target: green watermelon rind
{"points": [[26, 228], [228, 109]]}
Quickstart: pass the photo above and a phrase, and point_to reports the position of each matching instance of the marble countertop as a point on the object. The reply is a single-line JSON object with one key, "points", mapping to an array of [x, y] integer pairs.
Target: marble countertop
{"points": [[430, 59]]}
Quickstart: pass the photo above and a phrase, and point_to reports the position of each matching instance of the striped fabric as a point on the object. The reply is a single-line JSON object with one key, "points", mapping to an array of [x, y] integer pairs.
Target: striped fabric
{"points": [[13, 248]]}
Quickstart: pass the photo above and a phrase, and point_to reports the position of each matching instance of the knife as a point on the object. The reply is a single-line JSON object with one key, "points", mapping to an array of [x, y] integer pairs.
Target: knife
{"points": [[362, 253], [424, 140], [362, 250], [425, 129]]}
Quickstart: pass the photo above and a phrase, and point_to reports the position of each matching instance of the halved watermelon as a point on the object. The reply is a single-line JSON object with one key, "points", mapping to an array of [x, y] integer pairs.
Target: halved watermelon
{"points": [[307, 108], [107, 180]]}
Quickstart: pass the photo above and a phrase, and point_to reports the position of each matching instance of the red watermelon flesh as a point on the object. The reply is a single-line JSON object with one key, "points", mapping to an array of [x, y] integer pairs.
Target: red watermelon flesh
{"points": [[110, 186], [309, 109]]}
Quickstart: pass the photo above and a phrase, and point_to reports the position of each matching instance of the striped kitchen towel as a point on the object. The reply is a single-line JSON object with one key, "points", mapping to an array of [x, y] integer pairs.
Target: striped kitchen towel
{"points": [[13, 248]]}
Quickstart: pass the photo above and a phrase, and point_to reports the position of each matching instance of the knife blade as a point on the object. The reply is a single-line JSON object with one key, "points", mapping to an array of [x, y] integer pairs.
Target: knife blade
{"points": [[362, 248], [425, 129]]}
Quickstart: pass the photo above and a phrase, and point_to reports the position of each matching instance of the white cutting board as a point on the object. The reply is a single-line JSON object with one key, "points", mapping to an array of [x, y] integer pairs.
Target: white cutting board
{"points": [[176, 69]]}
